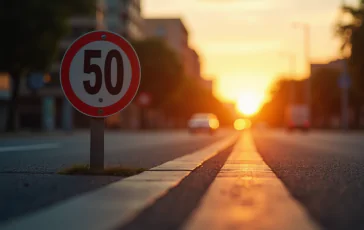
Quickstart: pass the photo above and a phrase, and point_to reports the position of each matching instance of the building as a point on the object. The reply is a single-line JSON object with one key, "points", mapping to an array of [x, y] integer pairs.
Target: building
{"points": [[207, 84], [124, 17], [4, 98], [174, 32], [336, 64], [334, 121], [193, 68]]}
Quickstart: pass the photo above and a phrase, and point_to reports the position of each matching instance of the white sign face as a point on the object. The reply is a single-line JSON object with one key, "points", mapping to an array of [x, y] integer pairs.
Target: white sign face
{"points": [[86, 66], [100, 74]]}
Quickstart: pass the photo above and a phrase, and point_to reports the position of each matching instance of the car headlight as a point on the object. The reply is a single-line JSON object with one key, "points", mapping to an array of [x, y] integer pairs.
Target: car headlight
{"points": [[214, 124]]}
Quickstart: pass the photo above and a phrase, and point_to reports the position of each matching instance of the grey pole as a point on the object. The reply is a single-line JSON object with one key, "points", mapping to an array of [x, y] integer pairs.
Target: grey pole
{"points": [[307, 40], [97, 144], [344, 109], [345, 100], [308, 61], [293, 73]]}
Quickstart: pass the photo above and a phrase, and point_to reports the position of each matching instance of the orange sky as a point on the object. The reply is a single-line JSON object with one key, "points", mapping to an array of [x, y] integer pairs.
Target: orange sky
{"points": [[240, 40]]}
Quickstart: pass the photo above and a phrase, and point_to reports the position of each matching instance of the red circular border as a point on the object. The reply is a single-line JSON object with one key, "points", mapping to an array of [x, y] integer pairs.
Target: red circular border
{"points": [[65, 77]]}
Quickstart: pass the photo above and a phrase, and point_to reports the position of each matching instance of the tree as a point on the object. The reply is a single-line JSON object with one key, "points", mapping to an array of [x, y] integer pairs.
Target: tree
{"points": [[352, 35], [32, 31], [162, 72], [272, 112], [176, 95]]}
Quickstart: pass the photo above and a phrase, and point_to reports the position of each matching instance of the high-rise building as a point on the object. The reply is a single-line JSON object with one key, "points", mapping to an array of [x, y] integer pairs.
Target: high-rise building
{"points": [[193, 68], [207, 84], [124, 17], [174, 32]]}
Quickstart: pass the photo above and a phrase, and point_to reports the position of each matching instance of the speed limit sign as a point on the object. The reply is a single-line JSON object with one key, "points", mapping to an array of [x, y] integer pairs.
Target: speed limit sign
{"points": [[100, 74]]}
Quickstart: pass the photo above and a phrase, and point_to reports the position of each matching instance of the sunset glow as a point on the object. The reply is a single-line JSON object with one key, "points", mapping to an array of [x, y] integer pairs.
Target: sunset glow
{"points": [[249, 103], [239, 47]]}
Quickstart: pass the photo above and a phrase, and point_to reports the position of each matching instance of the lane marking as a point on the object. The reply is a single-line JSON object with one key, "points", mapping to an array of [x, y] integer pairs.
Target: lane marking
{"points": [[115, 204], [246, 194], [29, 147]]}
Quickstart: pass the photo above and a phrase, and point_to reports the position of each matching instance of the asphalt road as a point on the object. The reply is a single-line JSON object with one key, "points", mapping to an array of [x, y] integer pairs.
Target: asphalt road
{"points": [[322, 170], [28, 165]]}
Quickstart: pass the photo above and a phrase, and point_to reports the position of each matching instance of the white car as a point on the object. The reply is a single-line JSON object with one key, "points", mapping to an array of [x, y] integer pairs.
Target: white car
{"points": [[206, 122]]}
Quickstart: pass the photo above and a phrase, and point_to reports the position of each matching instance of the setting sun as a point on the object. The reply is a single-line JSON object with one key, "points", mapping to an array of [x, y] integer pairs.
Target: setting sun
{"points": [[249, 103]]}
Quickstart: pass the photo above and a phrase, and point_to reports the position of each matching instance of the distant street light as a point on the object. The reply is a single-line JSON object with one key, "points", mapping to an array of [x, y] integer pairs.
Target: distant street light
{"points": [[306, 29], [292, 71]]}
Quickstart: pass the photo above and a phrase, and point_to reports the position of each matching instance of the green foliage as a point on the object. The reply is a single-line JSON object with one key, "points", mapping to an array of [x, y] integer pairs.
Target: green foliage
{"points": [[32, 30], [172, 92], [162, 72], [352, 35]]}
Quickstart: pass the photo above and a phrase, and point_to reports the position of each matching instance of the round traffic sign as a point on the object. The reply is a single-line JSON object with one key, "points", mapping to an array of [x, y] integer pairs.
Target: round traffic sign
{"points": [[100, 74]]}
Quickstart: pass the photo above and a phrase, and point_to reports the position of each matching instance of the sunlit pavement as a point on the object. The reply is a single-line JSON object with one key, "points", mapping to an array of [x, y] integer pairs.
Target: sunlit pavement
{"points": [[28, 164], [323, 170], [247, 195]]}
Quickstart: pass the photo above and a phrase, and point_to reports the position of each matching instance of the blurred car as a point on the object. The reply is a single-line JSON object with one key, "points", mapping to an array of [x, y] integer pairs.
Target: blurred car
{"points": [[205, 122], [297, 117]]}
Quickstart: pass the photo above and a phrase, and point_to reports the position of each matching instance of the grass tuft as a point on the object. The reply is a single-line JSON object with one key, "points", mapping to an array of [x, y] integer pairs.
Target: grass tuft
{"points": [[110, 171]]}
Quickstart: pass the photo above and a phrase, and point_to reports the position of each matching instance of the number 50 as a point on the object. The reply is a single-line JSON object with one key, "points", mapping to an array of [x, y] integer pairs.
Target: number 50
{"points": [[96, 69]]}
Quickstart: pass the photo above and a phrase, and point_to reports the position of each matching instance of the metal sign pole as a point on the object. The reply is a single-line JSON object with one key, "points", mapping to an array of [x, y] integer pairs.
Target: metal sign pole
{"points": [[344, 108], [345, 97], [97, 144]]}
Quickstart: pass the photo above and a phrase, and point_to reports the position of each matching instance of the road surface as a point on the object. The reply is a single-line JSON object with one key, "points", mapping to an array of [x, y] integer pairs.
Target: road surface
{"points": [[322, 170], [28, 165]]}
